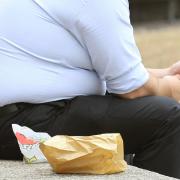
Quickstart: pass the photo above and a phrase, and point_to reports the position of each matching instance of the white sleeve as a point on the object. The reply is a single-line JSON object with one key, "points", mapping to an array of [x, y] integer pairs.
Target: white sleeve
{"points": [[105, 30]]}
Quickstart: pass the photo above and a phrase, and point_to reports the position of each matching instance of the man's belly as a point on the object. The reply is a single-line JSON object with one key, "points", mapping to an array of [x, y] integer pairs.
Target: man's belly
{"points": [[39, 60], [22, 82]]}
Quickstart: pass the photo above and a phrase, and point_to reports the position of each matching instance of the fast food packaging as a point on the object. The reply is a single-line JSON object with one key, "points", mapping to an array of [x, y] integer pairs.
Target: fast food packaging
{"points": [[98, 154], [29, 141]]}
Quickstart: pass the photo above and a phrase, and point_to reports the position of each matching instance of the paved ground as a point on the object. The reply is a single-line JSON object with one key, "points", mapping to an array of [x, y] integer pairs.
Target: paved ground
{"points": [[20, 171]]}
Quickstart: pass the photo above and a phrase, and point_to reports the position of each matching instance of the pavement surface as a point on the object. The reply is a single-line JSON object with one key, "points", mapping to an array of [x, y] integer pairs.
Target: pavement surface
{"points": [[21, 171]]}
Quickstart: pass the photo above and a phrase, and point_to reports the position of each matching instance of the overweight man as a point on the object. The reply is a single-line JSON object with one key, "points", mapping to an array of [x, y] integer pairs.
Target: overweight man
{"points": [[72, 67]]}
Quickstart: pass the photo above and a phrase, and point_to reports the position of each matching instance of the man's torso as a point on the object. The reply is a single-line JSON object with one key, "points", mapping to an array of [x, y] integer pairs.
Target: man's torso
{"points": [[40, 60]]}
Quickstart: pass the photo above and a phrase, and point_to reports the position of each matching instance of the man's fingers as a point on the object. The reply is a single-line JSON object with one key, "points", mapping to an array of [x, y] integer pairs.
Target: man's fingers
{"points": [[175, 68], [178, 76]]}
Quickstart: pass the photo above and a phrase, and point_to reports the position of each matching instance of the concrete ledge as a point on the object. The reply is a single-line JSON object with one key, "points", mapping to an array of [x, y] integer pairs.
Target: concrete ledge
{"points": [[20, 171]]}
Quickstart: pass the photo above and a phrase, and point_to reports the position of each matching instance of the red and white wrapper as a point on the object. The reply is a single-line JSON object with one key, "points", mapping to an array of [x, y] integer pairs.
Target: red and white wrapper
{"points": [[29, 141]]}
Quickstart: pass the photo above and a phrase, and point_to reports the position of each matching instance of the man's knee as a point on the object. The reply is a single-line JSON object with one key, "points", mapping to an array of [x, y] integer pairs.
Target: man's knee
{"points": [[158, 117], [169, 108], [167, 112], [163, 108]]}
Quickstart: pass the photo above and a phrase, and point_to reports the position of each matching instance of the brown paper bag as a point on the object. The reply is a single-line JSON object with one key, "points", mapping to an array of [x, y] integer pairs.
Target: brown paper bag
{"points": [[98, 154]]}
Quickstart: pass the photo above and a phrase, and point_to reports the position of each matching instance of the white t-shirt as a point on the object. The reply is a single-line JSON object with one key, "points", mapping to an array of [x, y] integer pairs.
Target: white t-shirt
{"points": [[59, 49]]}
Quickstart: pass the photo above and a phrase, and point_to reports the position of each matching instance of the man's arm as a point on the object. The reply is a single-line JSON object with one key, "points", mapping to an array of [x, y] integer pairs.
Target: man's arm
{"points": [[160, 72], [155, 86], [107, 35], [166, 86], [170, 71], [105, 31]]}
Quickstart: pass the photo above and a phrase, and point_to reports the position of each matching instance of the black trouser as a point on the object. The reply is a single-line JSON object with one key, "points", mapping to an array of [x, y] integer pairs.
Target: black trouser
{"points": [[150, 126]]}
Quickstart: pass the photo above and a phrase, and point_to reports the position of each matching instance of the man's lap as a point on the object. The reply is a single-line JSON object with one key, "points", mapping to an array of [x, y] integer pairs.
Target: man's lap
{"points": [[136, 120]]}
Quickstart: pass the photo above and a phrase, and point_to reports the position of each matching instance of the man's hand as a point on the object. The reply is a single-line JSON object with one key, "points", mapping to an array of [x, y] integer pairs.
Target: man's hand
{"points": [[174, 84], [171, 71], [174, 69]]}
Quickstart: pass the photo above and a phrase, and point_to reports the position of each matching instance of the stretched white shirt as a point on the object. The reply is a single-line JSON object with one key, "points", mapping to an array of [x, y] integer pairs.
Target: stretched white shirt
{"points": [[59, 49]]}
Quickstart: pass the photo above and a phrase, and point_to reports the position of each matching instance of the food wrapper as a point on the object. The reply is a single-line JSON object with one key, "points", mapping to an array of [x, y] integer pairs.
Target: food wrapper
{"points": [[98, 154], [29, 141]]}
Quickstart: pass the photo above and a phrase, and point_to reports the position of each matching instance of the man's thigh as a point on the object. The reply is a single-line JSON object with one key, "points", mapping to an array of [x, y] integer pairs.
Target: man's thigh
{"points": [[136, 120]]}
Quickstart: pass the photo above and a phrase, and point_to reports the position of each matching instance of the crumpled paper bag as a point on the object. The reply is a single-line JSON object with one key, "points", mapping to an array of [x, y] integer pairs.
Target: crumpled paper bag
{"points": [[29, 141], [98, 154]]}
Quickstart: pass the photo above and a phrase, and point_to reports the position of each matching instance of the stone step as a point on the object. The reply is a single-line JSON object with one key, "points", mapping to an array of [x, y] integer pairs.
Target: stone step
{"points": [[17, 170]]}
